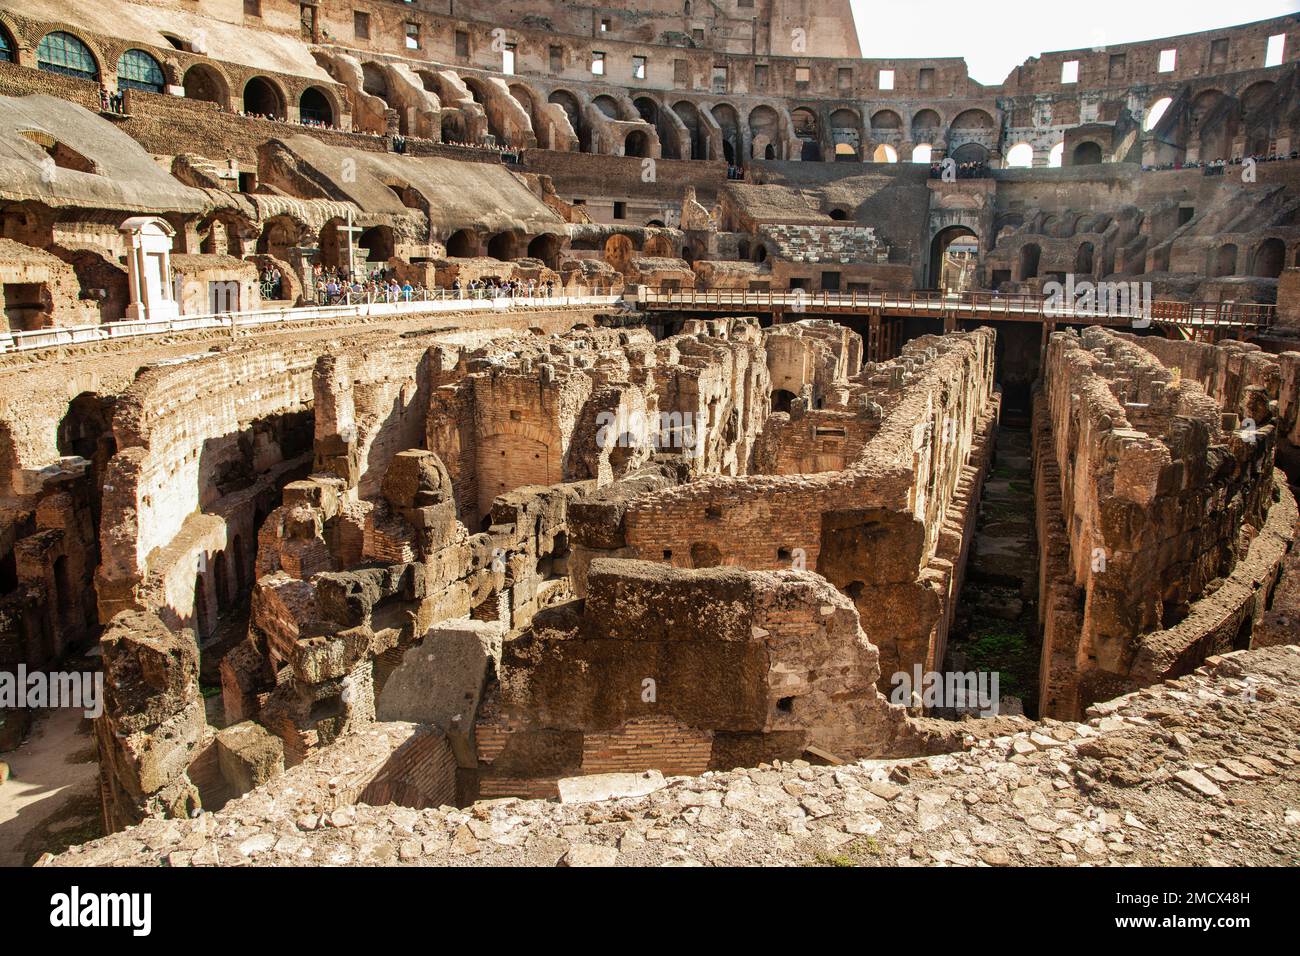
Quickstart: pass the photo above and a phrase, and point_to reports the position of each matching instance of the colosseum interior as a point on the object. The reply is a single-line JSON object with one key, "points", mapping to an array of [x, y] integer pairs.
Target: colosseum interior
{"points": [[544, 433]]}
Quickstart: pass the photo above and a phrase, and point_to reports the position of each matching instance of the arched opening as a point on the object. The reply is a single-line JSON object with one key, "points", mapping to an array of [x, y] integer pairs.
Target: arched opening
{"points": [[781, 399], [705, 554], [203, 82], [573, 110], [1083, 259], [696, 134], [607, 105], [279, 235], [261, 98], [926, 120], [1269, 258], [838, 214], [462, 245], [1055, 157], [970, 153], [1154, 112], [728, 120], [137, 70], [764, 132], [760, 253], [1225, 260], [87, 423], [805, 128], [502, 246], [922, 152], [378, 243], [885, 154], [1020, 156], [636, 144], [314, 107], [846, 135], [8, 49], [547, 249], [1029, 256], [939, 251], [60, 52], [1086, 153]]}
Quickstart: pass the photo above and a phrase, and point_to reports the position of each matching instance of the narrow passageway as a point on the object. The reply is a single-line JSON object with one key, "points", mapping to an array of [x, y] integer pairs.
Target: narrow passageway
{"points": [[996, 624]]}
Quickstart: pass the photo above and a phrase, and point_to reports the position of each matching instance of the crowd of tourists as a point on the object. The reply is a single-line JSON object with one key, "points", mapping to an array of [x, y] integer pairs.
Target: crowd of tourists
{"points": [[333, 287], [969, 170], [508, 289], [1217, 166]]}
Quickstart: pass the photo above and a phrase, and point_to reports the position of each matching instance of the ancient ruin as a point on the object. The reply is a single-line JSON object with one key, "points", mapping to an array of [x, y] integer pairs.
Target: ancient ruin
{"points": [[625, 437]]}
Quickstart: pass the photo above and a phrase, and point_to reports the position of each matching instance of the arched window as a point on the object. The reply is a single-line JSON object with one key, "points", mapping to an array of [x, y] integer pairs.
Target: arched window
{"points": [[922, 152], [1056, 155], [61, 52], [6, 47], [1020, 156], [885, 154], [139, 71]]}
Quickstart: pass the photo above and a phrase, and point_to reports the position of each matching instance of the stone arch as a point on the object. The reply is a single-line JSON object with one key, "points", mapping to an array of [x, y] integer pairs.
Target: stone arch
{"points": [[263, 96], [970, 153], [205, 82], [65, 53], [1020, 156], [378, 243], [808, 131], [608, 106], [728, 120], [572, 107], [1087, 153], [1085, 259], [8, 46], [974, 119], [546, 247], [926, 119], [1269, 258], [314, 106], [697, 134], [884, 153], [503, 246], [138, 70], [886, 120], [636, 143], [939, 245], [846, 134], [279, 235], [765, 133], [922, 153], [462, 244]]}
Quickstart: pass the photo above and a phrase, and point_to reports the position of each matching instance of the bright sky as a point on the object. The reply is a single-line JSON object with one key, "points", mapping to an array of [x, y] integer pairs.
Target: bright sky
{"points": [[997, 37]]}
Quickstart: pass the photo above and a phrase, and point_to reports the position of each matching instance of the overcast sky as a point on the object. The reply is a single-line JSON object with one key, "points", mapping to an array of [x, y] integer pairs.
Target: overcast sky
{"points": [[995, 37]]}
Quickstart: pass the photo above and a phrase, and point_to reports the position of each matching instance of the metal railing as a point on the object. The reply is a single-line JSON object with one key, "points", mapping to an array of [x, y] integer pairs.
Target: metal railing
{"points": [[349, 306], [973, 305]]}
